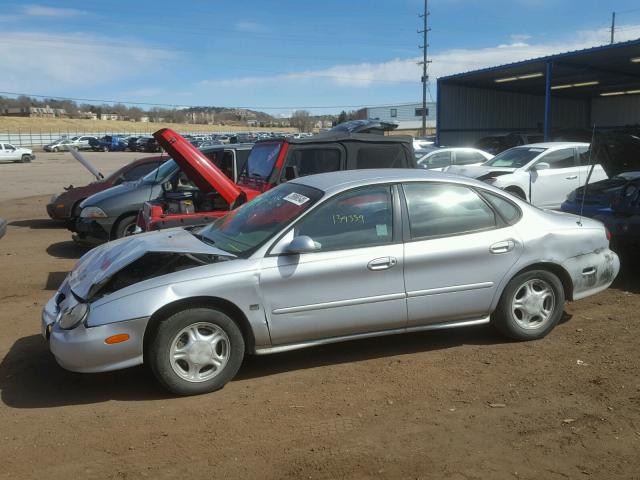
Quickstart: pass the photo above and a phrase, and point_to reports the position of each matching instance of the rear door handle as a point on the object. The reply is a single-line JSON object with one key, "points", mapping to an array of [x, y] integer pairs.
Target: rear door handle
{"points": [[502, 247], [383, 263], [571, 177]]}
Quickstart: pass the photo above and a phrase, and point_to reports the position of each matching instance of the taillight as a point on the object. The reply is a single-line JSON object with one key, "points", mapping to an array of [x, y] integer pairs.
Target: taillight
{"points": [[608, 233]]}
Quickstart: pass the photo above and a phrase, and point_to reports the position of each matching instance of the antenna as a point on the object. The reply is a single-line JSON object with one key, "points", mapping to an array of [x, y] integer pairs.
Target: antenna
{"points": [[592, 165]]}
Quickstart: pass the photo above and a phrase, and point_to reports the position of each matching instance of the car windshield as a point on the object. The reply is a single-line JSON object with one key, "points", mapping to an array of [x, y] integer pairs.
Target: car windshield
{"points": [[262, 159], [516, 157], [247, 227], [161, 173]]}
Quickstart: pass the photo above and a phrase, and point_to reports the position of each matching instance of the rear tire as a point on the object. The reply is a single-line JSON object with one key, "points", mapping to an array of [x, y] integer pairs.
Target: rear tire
{"points": [[530, 306], [125, 226], [195, 351]]}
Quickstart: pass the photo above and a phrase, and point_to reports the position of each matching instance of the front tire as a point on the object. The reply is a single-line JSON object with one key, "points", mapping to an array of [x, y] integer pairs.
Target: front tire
{"points": [[56, 149], [531, 305], [195, 351], [126, 226]]}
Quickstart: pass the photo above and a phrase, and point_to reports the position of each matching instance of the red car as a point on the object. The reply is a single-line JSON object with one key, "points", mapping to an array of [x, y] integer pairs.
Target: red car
{"points": [[64, 205], [206, 193]]}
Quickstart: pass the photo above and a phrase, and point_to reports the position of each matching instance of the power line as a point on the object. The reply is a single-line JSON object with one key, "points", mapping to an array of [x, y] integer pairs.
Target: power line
{"points": [[172, 105]]}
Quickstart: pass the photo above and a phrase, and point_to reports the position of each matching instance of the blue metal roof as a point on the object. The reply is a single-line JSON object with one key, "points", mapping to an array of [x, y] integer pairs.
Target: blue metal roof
{"points": [[631, 45]]}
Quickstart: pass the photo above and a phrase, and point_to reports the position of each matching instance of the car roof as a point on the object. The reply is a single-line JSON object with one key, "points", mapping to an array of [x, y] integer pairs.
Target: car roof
{"points": [[554, 144], [339, 136], [333, 182]]}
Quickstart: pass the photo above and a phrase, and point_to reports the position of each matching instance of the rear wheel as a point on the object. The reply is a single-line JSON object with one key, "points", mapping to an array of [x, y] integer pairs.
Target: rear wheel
{"points": [[126, 226], [531, 305], [195, 351]]}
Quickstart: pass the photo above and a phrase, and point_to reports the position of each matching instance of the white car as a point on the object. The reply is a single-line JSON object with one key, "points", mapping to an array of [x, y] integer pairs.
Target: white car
{"points": [[541, 173], [9, 153], [441, 158]]}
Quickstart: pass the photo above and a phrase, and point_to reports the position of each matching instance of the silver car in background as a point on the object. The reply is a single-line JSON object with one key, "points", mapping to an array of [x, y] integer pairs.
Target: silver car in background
{"points": [[321, 259]]}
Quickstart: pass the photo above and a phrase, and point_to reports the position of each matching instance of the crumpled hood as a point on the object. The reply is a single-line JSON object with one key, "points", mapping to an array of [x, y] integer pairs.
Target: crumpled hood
{"points": [[101, 263], [477, 171]]}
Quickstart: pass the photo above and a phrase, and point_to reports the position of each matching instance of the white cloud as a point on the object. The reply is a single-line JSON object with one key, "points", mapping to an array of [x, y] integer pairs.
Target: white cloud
{"points": [[44, 11], [35, 62], [444, 63]]}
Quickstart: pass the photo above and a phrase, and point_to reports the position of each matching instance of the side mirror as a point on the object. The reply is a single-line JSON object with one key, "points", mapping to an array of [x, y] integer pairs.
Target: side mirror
{"points": [[301, 244], [541, 166], [291, 172], [119, 180]]}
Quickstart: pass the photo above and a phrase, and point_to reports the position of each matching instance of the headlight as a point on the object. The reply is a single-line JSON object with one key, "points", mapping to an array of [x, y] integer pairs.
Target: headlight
{"points": [[54, 198], [72, 317], [92, 212]]}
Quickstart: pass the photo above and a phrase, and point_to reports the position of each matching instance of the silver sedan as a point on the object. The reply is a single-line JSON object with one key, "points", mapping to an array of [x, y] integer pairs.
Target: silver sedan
{"points": [[323, 259]]}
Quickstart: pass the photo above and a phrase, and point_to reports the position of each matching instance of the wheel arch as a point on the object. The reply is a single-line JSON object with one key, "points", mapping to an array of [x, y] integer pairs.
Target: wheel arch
{"points": [[218, 303], [557, 270], [516, 190]]}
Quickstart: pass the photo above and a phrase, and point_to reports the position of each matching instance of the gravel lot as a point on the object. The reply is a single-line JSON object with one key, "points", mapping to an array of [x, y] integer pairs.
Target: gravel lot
{"points": [[459, 404]]}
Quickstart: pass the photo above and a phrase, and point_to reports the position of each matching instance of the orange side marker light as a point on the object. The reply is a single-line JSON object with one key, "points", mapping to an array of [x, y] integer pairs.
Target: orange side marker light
{"points": [[119, 338]]}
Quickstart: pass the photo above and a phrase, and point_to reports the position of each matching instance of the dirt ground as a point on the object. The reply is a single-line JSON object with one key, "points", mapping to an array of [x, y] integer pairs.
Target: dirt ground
{"points": [[458, 404]]}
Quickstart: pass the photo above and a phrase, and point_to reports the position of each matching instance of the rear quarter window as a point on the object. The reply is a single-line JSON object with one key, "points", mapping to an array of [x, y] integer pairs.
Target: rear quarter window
{"points": [[509, 212], [381, 156]]}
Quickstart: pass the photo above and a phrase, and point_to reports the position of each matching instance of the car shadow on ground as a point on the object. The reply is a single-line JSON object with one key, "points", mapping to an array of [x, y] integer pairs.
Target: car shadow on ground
{"points": [[54, 280], [69, 249], [38, 224], [31, 378]]}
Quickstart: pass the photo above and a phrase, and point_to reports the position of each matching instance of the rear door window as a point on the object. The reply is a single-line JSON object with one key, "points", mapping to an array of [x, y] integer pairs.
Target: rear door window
{"points": [[467, 158], [437, 160], [563, 158], [381, 156], [441, 209]]}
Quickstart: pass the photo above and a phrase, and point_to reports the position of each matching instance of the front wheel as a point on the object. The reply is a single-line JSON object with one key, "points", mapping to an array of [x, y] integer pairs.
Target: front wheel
{"points": [[126, 226], [531, 305], [56, 149], [195, 351], [25, 159]]}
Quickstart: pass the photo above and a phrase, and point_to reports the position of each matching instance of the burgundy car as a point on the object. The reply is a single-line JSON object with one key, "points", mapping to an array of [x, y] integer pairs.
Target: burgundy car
{"points": [[63, 206]]}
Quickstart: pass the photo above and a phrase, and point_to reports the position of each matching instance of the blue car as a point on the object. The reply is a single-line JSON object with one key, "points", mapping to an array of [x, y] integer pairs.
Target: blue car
{"points": [[599, 197], [108, 143]]}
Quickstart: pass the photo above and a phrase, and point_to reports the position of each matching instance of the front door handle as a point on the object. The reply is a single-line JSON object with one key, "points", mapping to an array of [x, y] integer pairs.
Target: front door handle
{"points": [[502, 247], [383, 263], [571, 177]]}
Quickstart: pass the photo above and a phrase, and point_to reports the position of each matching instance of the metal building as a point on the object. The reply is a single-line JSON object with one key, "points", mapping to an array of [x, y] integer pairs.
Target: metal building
{"points": [[408, 116], [570, 91]]}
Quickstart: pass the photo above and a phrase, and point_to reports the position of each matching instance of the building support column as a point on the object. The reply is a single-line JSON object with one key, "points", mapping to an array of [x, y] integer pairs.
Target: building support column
{"points": [[547, 102]]}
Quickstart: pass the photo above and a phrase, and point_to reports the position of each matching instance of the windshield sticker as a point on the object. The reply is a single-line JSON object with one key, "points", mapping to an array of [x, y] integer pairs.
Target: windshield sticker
{"points": [[296, 199], [539, 150], [381, 230]]}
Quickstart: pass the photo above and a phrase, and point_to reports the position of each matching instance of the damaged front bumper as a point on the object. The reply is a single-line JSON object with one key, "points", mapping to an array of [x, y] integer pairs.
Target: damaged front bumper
{"points": [[90, 231], [85, 349]]}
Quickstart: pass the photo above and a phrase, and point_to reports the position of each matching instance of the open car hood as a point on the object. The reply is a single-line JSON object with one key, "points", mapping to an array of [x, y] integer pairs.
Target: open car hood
{"points": [[617, 151], [197, 167], [85, 163], [96, 267]]}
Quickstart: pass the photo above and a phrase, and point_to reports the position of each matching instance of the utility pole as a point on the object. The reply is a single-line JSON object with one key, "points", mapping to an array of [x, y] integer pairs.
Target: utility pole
{"points": [[613, 25], [424, 63]]}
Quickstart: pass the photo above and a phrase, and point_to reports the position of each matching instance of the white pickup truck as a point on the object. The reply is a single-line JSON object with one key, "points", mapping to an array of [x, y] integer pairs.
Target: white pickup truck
{"points": [[9, 153]]}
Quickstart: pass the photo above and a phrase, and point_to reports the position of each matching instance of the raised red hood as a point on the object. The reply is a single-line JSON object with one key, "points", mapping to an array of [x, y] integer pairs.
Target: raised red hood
{"points": [[199, 168]]}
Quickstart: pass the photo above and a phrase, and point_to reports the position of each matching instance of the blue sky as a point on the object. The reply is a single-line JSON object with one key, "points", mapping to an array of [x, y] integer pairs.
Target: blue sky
{"points": [[290, 54]]}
